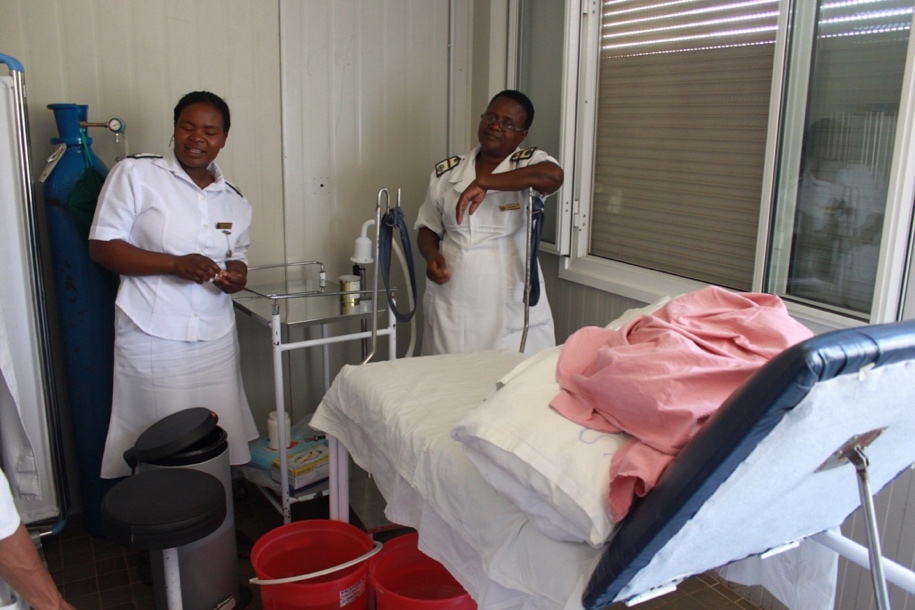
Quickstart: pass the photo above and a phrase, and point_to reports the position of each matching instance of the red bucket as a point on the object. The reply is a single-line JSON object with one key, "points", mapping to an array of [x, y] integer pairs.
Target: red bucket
{"points": [[405, 578], [303, 548]]}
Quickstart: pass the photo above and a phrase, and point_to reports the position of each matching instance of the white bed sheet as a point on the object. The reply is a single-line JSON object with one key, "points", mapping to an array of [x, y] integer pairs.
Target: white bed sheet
{"points": [[483, 538]]}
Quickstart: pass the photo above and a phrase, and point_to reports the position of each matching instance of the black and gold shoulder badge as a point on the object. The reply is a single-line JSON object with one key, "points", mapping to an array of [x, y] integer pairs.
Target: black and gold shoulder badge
{"points": [[144, 156], [521, 155], [446, 166]]}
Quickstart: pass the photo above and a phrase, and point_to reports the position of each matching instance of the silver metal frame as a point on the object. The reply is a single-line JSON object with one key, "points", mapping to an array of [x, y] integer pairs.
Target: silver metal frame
{"points": [[38, 295]]}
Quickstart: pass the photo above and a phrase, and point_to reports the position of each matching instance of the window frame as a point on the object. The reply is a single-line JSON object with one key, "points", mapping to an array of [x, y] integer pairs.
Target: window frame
{"points": [[895, 274], [562, 199]]}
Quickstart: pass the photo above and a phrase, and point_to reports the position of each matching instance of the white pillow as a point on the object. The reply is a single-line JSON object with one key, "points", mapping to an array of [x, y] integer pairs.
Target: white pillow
{"points": [[556, 471]]}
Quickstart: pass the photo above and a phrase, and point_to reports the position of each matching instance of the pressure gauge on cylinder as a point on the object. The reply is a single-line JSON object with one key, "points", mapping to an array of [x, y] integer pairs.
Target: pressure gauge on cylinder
{"points": [[116, 125]]}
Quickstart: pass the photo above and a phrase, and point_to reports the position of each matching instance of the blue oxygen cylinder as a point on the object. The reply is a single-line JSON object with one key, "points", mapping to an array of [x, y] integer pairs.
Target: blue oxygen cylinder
{"points": [[85, 295]]}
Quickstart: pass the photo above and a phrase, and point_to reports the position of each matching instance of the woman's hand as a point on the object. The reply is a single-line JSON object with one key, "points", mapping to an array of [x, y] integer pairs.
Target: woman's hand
{"points": [[437, 269], [195, 268], [469, 201], [233, 279], [126, 259]]}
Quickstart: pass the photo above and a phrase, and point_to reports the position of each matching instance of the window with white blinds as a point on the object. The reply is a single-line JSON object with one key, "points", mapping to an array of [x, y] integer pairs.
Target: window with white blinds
{"points": [[683, 108], [834, 190]]}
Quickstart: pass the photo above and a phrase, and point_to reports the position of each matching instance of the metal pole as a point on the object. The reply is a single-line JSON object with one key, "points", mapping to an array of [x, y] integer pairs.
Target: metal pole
{"points": [[173, 597], [280, 398], [527, 268], [896, 573], [858, 458], [371, 353]]}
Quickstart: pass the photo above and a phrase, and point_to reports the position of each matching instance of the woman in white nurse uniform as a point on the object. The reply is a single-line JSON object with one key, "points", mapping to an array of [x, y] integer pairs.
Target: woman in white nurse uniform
{"points": [[177, 233], [472, 229]]}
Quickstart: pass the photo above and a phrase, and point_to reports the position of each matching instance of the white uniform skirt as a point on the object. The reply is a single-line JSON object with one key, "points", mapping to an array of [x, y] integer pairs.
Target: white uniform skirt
{"points": [[156, 377]]}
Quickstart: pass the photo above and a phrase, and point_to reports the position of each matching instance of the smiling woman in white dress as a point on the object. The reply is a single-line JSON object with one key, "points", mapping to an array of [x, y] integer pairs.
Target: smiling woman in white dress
{"points": [[177, 233]]}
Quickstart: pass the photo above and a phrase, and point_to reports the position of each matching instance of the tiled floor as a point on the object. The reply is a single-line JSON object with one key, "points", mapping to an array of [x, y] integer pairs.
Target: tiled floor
{"points": [[699, 593], [94, 573]]}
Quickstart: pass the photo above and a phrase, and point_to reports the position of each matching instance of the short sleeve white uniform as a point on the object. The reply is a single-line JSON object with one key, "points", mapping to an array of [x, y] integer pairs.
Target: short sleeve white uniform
{"points": [[175, 340], [153, 204], [482, 306]]}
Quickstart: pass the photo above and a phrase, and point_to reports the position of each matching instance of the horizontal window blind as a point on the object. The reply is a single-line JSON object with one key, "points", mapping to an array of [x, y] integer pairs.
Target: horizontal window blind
{"points": [[682, 118]]}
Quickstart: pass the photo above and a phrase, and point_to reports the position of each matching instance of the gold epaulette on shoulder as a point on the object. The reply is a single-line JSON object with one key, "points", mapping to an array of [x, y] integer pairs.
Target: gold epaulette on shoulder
{"points": [[144, 156], [521, 155], [446, 166]]}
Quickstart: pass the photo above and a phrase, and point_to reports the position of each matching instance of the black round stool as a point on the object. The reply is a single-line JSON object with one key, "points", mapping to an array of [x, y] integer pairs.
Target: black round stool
{"points": [[163, 510]]}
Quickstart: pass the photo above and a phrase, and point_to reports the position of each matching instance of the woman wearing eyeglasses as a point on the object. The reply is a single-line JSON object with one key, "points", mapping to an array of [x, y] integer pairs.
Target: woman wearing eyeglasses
{"points": [[472, 230]]}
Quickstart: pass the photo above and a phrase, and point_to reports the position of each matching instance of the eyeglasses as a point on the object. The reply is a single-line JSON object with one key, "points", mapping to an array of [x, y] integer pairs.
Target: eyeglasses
{"points": [[505, 124]]}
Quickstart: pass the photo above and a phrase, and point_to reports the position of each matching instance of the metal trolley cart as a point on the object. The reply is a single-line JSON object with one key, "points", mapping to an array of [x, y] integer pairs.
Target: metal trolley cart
{"points": [[283, 297]]}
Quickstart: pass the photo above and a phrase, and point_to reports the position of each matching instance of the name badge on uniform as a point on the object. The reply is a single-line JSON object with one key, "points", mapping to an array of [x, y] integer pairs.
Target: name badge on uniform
{"points": [[223, 226], [508, 207]]}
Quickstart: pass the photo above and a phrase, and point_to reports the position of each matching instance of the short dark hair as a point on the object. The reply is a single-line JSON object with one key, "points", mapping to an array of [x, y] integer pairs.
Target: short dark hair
{"points": [[205, 97], [521, 99]]}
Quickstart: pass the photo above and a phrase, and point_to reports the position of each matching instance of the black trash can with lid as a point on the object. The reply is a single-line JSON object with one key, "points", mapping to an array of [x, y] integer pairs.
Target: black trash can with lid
{"points": [[192, 439]]}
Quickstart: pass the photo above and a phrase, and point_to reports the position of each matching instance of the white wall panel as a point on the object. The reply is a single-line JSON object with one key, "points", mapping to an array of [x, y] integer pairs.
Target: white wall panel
{"points": [[134, 59], [576, 305], [365, 99], [365, 88]]}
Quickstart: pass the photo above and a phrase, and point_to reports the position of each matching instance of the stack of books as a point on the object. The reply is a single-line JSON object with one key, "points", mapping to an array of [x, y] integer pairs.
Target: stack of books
{"points": [[307, 461]]}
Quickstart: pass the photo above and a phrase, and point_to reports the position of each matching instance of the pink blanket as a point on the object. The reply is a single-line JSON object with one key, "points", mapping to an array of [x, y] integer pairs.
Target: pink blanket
{"points": [[662, 375]]}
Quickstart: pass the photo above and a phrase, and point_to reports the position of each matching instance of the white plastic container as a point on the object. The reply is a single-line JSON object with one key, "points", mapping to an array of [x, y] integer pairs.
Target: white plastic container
{"points": [[272, 433]]}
